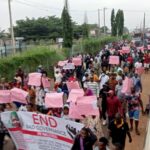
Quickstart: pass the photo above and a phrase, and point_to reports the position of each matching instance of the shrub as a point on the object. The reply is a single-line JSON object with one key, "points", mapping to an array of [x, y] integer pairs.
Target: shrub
{"points": [[93, 45], [29, 60]]}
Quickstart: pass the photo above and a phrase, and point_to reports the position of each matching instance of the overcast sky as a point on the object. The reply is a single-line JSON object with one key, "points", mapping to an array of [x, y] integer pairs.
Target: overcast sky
{"points": [[133, 10]]}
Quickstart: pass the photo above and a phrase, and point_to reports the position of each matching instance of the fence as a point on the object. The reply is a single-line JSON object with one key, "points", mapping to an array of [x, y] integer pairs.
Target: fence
{"points": [[8, 49]]}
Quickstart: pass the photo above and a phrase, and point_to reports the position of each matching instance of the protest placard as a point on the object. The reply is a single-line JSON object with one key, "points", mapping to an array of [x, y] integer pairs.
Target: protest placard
{"points": [[69, 66], [87, 105], [77, 61], [35, 79], [127, 85], [5, 96], [40, 132], [46, 82], [126, 50], [54, 100], [73, 85], [74, 94], [62, 63], [19, 95], [114, 60]]}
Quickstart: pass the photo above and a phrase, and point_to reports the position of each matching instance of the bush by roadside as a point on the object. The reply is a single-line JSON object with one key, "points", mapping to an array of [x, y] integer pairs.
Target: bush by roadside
{"points": [[29, 60], [93, 45]]}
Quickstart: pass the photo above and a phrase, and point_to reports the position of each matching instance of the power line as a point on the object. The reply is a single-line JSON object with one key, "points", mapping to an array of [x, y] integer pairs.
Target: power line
{"points": [[43, 7], [47, 8], [30, 5]]}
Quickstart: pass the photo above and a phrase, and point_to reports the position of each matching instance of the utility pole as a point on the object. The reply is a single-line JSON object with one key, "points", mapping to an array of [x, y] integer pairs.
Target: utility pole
{"points": [[11, 27], [99, 24], [144, 29], [104, 21]]}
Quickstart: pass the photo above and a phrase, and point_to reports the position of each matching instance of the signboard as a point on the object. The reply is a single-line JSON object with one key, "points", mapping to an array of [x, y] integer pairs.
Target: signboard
{"points": [[19, 95], [32, 131], [85, 105], [114, 60], [35, 79], [77, 61], [73, 85], [69, 66], [74, 94], [5, 96], [54, 100]]}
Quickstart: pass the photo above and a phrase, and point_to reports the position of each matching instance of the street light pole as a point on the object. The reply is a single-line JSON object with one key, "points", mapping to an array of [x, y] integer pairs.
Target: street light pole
{"points": [[99, 24], [104, 22], [11, 27]]}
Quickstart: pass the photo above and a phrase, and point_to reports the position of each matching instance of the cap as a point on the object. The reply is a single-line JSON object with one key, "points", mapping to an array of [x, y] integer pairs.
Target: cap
{"points": [[66, 106]]}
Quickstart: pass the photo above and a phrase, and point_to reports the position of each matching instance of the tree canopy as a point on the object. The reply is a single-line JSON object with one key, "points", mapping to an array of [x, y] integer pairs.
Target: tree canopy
{"points": [[117, 23], [67, 28], [41, 28]]}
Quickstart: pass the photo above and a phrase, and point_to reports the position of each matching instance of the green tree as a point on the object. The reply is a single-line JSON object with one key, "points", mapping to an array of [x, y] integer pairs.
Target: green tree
{"points": [[102, 29], [113, 24], [120, 22], [41, 28], [85, 30], [125, 30], [67, 28]]}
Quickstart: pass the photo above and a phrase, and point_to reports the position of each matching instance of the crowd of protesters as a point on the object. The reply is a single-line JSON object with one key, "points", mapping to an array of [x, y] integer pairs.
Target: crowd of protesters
{"points": [[97, 77]]}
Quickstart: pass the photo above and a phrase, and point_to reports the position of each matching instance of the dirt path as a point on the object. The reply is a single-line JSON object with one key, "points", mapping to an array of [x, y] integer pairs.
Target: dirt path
{"points": [[138, 141]]}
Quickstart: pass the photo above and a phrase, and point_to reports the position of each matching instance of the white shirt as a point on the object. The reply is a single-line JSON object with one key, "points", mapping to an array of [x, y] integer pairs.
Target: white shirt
{"points": [[119, 69], [40, 98], [103, 79], [58, 77], [138, 65]]}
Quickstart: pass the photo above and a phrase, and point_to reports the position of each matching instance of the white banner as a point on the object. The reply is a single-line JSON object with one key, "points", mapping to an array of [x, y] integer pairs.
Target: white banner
{"points": [[31, 131], [69, 66]]}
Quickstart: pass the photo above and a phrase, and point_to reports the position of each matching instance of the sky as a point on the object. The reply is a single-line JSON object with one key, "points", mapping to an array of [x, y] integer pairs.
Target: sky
{"points": [[133, 10]]}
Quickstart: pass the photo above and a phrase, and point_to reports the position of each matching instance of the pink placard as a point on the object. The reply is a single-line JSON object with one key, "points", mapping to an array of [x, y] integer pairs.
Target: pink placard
{"points": [[127, 85], [74, 112], [5, 96], [45, 82], [19, 95], [114, 60], [54, 100], [62, 63], [148, 47], [87, 105], [35, 79], [141, 48], [73, 85], [77, 61], [139, 70], [126, 50], [74, 94]]}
